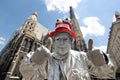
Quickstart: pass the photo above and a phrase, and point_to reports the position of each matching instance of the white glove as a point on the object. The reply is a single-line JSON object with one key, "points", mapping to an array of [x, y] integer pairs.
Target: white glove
{"points": [[96, 57], [42, 53]]}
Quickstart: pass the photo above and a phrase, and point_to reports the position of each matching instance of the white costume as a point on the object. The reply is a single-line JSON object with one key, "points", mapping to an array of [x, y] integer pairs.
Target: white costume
{"points": [[63, 63], [72, 68]]}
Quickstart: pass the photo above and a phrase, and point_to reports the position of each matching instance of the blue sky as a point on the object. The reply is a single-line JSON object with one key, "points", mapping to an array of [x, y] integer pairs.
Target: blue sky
{"points": [[94, 16]]}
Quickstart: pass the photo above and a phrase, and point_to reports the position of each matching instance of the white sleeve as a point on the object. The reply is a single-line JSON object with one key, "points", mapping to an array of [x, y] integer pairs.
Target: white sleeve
{"points": [[41, 55], [30, 70], [105, 71], [27, 68]]}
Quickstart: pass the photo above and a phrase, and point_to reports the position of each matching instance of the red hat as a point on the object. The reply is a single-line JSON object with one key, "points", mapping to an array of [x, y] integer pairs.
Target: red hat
{"points": [[63, 26]]}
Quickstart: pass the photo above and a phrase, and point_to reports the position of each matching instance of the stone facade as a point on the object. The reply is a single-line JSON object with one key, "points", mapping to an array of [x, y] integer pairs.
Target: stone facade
{"points": [[113, 47], [27, 38]]}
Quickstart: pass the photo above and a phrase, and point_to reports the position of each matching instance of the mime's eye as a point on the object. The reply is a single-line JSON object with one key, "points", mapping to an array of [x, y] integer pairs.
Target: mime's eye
{"points": [[65, 39], [57, 39]]}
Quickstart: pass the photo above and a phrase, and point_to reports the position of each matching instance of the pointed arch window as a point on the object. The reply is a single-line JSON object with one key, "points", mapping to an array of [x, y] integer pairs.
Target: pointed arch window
{"points": [[24, 44]]}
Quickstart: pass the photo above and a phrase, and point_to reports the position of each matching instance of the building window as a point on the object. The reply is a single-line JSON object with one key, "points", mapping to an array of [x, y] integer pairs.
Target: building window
{"points": [[34, 46], [118, 18], [24, 45], [30, 45], [28, 23], [31, 24]]}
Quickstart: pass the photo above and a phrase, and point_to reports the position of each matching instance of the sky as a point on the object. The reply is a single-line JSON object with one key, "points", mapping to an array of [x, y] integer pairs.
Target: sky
{"points": [[94, 17]]}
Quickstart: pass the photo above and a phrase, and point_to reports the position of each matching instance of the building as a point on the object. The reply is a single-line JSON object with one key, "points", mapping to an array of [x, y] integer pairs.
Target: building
{"points": [[79, 43], [113, 47], [27, 38], [32, 35]]}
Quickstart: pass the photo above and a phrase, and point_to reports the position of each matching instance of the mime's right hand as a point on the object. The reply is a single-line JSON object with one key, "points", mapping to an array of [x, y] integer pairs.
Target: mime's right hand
{"points": [[42, 53]]}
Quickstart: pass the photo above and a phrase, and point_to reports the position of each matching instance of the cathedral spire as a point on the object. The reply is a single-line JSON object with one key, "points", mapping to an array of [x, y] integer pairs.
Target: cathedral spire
{"points": [[76, 27], [79, 42], [30, 23], [72, 15], [33, 16]]}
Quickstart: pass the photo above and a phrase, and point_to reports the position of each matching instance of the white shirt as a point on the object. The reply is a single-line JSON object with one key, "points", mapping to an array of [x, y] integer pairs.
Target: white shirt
{"points": [[75, 67]]}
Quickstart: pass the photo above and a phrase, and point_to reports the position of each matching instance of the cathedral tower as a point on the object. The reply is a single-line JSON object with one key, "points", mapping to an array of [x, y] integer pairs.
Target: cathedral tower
{"points": [[79, 42], [27, 38]]}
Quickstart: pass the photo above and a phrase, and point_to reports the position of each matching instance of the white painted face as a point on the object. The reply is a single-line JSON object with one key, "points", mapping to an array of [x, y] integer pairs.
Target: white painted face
{"points": [[62, 43]]}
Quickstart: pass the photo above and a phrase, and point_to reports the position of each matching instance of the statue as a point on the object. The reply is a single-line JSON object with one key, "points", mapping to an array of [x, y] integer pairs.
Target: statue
{"points": [[62, 63]]}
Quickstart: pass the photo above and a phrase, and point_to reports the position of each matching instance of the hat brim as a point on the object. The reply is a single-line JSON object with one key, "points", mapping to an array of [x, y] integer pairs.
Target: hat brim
{"points": [[72, 34]]}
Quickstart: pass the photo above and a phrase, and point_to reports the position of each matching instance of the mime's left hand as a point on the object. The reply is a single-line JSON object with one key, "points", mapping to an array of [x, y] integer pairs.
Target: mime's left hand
{"points": [[96, 57]]}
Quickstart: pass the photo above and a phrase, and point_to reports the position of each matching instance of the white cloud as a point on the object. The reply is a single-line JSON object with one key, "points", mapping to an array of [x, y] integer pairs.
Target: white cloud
{"points": [[93, 27], [103, 48], [61, 5], [2, 40]]}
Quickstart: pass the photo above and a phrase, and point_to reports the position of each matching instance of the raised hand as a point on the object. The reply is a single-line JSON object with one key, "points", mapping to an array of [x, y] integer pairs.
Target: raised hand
{"points": [[96, 57], [49, 43], [42, 53]]}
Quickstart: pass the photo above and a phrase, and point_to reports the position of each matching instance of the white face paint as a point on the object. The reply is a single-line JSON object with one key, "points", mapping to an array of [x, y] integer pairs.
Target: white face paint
{"points": [[62, 43]]}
